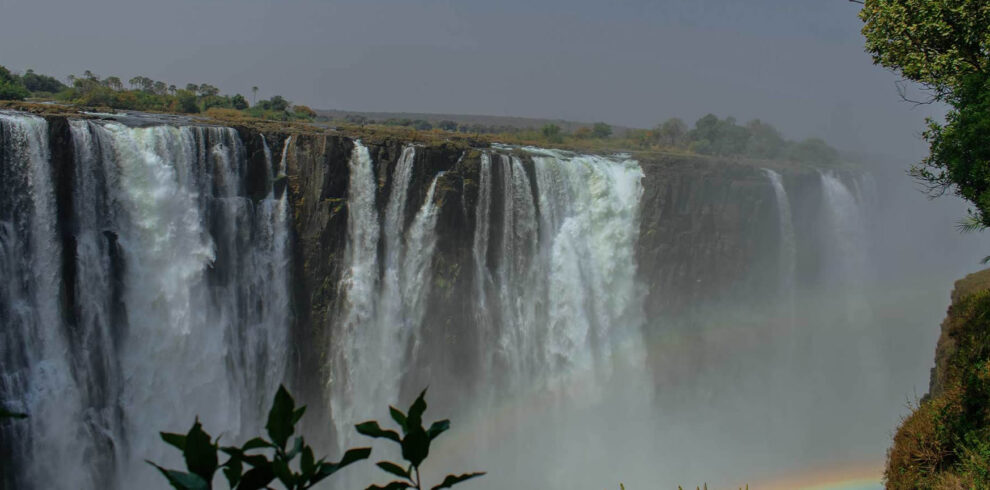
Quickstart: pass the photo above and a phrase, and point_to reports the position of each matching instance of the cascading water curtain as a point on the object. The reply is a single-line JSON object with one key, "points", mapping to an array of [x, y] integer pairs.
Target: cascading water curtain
{"points": [[171, 300]]}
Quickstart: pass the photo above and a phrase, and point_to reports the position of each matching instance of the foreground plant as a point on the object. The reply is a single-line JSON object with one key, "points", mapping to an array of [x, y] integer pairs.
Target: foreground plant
{"points": [[5, 414], [415, 443], [267, 460]]}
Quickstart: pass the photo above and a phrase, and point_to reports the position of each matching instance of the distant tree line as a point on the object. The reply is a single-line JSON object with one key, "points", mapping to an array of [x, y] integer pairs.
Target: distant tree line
{"points": [[143, 94], [724, 137], [709, 136]]}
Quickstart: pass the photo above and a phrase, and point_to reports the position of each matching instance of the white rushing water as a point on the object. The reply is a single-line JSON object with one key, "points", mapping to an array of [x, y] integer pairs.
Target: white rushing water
{"points": [[181, 299], [36, 375], [787, 242], [380, 316]]}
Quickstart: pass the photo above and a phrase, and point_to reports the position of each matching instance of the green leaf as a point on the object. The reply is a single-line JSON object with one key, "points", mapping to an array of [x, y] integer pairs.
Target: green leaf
{"points": [[371, 429], [416, 446], [296, 448], [351, 456], [257, 478], [5, 414], [200, 452], [438, 427], [281, 469], [398, 417], [395, 485], [176, 440], [232, 470], [415, 417], [255, 443], [452, 480], [182, 481], [298, 415], [280, 424], [306, 464], [393, 468]]}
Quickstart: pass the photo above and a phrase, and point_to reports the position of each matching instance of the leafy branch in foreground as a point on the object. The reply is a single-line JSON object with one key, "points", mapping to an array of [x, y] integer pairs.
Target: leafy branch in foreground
{"points": [[201, 452], [5, 414], [415, 443]]}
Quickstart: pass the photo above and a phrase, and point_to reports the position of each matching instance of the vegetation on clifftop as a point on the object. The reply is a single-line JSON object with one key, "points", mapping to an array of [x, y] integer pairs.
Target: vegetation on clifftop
{"points": [[945, 442], [145, 94]]}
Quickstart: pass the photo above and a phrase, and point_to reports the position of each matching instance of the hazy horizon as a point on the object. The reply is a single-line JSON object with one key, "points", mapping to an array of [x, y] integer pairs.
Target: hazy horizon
{"points": [[799, 65]]}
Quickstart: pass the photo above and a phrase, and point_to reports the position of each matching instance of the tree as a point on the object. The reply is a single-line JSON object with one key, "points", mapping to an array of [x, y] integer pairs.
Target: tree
{"points": [[239, 102], [278, 103], [207, 90], [934, 42], [113, 83], [254, 95], [764, 140], [601, 130], [672, 132], [187, 101], [304, 112], [945, 46], [552, 133], [41, 83], [447, 125], [11, 87]]}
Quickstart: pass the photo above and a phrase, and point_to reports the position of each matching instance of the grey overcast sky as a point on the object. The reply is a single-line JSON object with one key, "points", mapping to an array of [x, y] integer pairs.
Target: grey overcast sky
{"points": [[798, 64]]}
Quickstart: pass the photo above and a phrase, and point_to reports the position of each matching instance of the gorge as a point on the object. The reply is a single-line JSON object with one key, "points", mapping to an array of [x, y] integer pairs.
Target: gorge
{"points": [[153, 270]]}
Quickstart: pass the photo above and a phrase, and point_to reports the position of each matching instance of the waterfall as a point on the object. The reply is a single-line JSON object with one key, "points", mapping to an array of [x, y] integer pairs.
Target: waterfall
{"points": [[380, 323], [846, 255], [564, 267], [177, 295], [788, 244], [36, 372]]}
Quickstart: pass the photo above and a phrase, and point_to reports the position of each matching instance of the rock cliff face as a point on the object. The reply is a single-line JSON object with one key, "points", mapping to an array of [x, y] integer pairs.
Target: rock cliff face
{"points": [[708, 228], [709, 234]]}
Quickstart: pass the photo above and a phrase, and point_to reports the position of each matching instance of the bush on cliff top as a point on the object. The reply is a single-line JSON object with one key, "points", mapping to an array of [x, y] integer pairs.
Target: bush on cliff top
{"points": [[945, 442]]}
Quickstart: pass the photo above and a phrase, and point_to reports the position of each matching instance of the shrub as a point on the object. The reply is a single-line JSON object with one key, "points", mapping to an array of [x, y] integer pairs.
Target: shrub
{"points": [[601, 130], [303, 112], [415, 444], [201, 454]]}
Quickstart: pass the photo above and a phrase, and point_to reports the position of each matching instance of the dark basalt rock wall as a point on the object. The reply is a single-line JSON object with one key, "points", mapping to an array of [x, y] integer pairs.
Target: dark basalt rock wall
{"points": [[709, 232]]}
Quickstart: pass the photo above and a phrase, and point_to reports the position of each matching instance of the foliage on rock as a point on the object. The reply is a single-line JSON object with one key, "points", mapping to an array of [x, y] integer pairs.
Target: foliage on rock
{"points": [[945, 442]]}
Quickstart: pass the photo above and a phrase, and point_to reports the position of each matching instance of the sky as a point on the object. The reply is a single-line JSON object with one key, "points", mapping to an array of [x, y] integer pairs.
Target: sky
{"points": [[798, 64]]}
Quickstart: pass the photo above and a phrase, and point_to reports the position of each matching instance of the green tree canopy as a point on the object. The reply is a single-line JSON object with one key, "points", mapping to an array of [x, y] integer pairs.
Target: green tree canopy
{"points": [[551, 132], [934, 42], [11, 87], [945, 46], [601, 130]]}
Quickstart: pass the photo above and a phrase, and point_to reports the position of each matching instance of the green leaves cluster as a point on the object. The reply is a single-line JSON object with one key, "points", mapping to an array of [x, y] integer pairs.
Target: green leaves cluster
{"points": [[6, 414], [945, 46], [258, 462], [11, 87], [415, 444], [934, 42]]}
